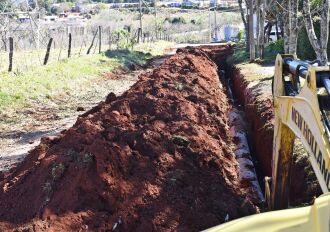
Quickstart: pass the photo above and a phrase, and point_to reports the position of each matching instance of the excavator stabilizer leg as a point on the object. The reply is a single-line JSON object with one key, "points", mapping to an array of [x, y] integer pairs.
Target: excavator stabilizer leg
{"points": [[281, 166]]}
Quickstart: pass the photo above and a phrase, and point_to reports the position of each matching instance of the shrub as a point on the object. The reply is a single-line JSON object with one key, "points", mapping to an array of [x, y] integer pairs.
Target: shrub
{"points": [[123, 39], [177, 20], [240, 35], [305, 50], [275, 47]]}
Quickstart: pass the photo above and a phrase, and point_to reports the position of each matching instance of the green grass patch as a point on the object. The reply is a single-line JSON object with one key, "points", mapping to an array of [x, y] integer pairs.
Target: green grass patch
{"points": [[155, 49], [45, 83], [239, 56]]}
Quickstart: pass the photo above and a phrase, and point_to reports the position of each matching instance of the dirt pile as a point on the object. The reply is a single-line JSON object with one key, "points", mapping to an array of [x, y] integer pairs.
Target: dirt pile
{"points": [[157, 158]]}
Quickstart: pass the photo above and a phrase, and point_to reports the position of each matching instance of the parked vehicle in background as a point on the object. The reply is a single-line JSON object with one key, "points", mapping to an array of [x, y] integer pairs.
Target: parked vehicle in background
{"points": [[273, 37]]}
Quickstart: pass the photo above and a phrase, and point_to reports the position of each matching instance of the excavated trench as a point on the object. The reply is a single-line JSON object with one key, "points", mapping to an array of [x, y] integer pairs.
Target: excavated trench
{"points": [[172, 153], [247, 128]]}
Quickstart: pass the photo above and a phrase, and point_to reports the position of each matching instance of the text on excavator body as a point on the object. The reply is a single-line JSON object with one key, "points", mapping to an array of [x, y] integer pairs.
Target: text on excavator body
{"points": [[309, 137]]}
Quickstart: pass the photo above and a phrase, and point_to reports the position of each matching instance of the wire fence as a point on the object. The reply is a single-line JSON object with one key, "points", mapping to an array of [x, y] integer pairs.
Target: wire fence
{"points": [[28, 41], [27, 44]]}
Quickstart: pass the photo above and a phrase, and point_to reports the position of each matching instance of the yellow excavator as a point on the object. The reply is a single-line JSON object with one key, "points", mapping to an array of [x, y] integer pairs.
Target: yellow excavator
{"points": [[301, 91]]}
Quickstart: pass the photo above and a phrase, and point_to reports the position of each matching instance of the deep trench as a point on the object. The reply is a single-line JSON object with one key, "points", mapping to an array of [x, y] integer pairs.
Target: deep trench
{"points": [[225, 73]]}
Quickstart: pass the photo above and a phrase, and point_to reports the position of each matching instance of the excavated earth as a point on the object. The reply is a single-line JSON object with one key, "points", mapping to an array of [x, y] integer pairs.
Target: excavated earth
{"points": [[157, 158]]}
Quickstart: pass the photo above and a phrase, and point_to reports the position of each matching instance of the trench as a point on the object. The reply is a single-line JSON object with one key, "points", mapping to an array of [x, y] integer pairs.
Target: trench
{"points": [[242, 124], [246, 108]]}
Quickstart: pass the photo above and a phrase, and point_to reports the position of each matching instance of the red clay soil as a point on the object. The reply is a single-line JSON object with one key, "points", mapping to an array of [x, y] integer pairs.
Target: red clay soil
{"points": [[157, 158], [260, 114]]}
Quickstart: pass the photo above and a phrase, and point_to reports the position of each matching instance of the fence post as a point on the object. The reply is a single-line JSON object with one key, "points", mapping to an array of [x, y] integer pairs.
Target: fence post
{"points": [[11, 53], [69, 48], [139, 35], [48, 51], [89, 49], [100, 39]]}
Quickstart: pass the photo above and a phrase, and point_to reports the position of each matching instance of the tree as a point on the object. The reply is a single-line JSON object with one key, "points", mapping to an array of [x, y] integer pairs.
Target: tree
{"points": [[6, 6], [246, 28], [261, 13], [290, 26], [319, 45], [250, 7]]}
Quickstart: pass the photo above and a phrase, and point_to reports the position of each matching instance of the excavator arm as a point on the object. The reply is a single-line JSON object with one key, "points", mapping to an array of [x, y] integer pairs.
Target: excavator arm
{"points": [[299, 112]]}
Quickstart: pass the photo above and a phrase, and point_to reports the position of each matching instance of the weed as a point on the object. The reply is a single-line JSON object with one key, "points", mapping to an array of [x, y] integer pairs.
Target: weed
{"points": [[57, 171], [45, 83], [179, 86], [88, 158], [72, 154]]}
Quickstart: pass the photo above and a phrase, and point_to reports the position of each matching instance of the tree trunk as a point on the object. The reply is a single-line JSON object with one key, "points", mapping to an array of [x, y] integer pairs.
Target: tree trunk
{"points": [[324, 32], [293, 9], [276, 27], [319, 45], [282, 27], [258, 3], [286, 28], [243, 16], [261, 28], [290, 27], [267, 31], [251, 33]]}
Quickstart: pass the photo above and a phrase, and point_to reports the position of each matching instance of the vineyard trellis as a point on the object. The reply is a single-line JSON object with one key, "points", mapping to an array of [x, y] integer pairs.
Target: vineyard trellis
{"points": [[28, 40], [31, 37]]}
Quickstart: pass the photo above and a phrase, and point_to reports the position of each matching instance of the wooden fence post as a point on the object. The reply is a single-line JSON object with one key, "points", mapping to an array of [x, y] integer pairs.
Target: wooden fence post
{"points": [[48, 51], [139, 35], [11, 53], [89, 49], [100, 39], [69, 48]]}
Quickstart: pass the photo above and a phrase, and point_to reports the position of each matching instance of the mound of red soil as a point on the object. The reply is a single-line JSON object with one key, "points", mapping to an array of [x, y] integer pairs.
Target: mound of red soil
{"points": [[157, 158]]}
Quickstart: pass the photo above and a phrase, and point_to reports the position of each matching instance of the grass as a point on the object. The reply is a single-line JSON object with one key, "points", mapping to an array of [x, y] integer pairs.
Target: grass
{"points": [[155, 49], [33, 100], [44, 83], [241, 56]]}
